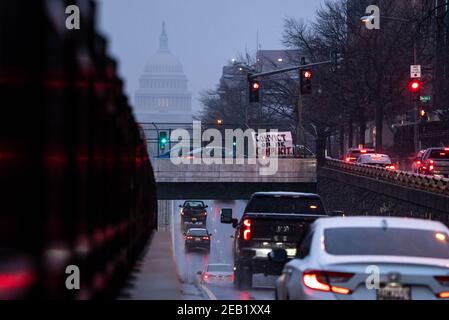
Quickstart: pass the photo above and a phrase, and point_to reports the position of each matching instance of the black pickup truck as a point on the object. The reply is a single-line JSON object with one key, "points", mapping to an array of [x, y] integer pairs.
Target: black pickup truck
{"points": [[193, 213], [271, 220]]}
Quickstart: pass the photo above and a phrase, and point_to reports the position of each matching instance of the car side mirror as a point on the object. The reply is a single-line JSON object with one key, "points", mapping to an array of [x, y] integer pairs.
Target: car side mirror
{"points": [[235, 223], [278, 255], [199, 273], [210, 234], [226, 215], [206, 206], [338, 213], [180, 205], [184, 233]]}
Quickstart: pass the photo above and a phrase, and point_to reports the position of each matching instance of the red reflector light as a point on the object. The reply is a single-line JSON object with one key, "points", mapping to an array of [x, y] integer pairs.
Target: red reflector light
{"points": [[247, 230], [321, 280], [17, 280]]}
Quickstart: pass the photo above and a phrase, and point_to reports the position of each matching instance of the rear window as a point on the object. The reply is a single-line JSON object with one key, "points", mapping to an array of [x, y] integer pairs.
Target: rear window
{"points": [[285, 205], [439, 154], [220, 268], [375, 158], [386, 242], [197, 232], [194, 204]]}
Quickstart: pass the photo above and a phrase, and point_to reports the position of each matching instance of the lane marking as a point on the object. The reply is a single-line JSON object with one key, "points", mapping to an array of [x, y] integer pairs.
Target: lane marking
{"points": [[209, 293]]}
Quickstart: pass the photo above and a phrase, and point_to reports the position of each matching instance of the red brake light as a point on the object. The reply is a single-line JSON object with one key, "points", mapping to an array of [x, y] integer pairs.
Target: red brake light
{"points": [[431, 168], [205, 238], [446, 149], [321, 280], [247, 229], [363, 151], [431, 161], [418, 162], [206, 276], [189, 237], [391, 167]]}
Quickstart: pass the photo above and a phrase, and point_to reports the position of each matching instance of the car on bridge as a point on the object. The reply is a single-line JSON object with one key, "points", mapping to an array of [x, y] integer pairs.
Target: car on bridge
{"points": [[377, 160], [217, 273], [197, 238], [193, 213], [435, 161], [417, 162], [354, 153], [367, 258], [270, 220]]}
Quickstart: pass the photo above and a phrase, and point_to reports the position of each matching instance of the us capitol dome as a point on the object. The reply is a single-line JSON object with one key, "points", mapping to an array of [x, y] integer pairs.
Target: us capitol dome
{"points": [[163, 96]]}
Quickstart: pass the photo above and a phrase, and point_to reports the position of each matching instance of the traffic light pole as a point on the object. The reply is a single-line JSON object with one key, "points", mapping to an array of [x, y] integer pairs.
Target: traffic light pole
{"points": [[300, 128]]}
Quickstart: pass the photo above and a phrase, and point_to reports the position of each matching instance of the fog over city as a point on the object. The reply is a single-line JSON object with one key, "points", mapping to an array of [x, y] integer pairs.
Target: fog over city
{"points": [[193, 27]]}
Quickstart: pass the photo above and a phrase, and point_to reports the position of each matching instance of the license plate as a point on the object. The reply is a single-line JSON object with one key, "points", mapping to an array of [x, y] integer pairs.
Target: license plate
{"points": [[197, 239], [193, 219], [394, 292]]}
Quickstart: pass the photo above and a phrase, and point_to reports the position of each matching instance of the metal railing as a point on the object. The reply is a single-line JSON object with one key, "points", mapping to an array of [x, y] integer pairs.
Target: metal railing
{"points": [[407, 179]]}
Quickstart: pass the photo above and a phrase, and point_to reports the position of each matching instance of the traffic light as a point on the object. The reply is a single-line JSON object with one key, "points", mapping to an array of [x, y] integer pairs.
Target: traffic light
{"points": [[163, 140], [423, 114], [414, 86], [306, 81], [254, 89], [335, 60]]}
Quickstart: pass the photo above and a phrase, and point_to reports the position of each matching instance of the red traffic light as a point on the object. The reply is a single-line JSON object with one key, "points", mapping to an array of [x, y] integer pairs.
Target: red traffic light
{"points": [[307, 74], [255, 86], [414, 86]]}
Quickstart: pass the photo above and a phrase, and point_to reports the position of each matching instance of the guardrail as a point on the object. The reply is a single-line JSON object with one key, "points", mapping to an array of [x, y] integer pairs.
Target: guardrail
{"points": [[407, 179], [76, 183]]}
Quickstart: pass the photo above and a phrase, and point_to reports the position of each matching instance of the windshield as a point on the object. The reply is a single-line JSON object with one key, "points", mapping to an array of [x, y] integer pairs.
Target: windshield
{"points": [[285, 205], [194, 204], [439, 154], [386, 242], [197, 232], [220, 268]]}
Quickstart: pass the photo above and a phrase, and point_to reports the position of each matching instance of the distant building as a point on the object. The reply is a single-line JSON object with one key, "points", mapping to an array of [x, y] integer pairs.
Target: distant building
{"points": [[163, 101]]}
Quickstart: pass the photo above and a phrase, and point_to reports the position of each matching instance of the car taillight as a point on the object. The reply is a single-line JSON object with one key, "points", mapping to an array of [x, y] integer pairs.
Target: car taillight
{"points": [[247, 229], [431, 167], [443, 295], [189, 237], [321, 280], [432, 162], [205, 238], [418, 162], [391, 167], [206, 276]]}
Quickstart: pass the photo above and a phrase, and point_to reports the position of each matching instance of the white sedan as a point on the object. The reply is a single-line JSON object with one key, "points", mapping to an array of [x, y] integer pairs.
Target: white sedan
{"points": [[368, 258]]}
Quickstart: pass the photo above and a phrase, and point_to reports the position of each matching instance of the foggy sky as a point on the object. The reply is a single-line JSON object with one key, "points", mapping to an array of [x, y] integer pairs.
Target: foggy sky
{"points": [[203, 34]]}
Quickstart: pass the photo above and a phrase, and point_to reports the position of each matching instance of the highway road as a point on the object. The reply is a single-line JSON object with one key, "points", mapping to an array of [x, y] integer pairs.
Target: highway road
{"points": [[221, 252]]}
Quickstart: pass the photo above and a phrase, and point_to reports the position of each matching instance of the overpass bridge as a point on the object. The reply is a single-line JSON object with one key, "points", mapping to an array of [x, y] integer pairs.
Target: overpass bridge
{"points": [[231, 181]]}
